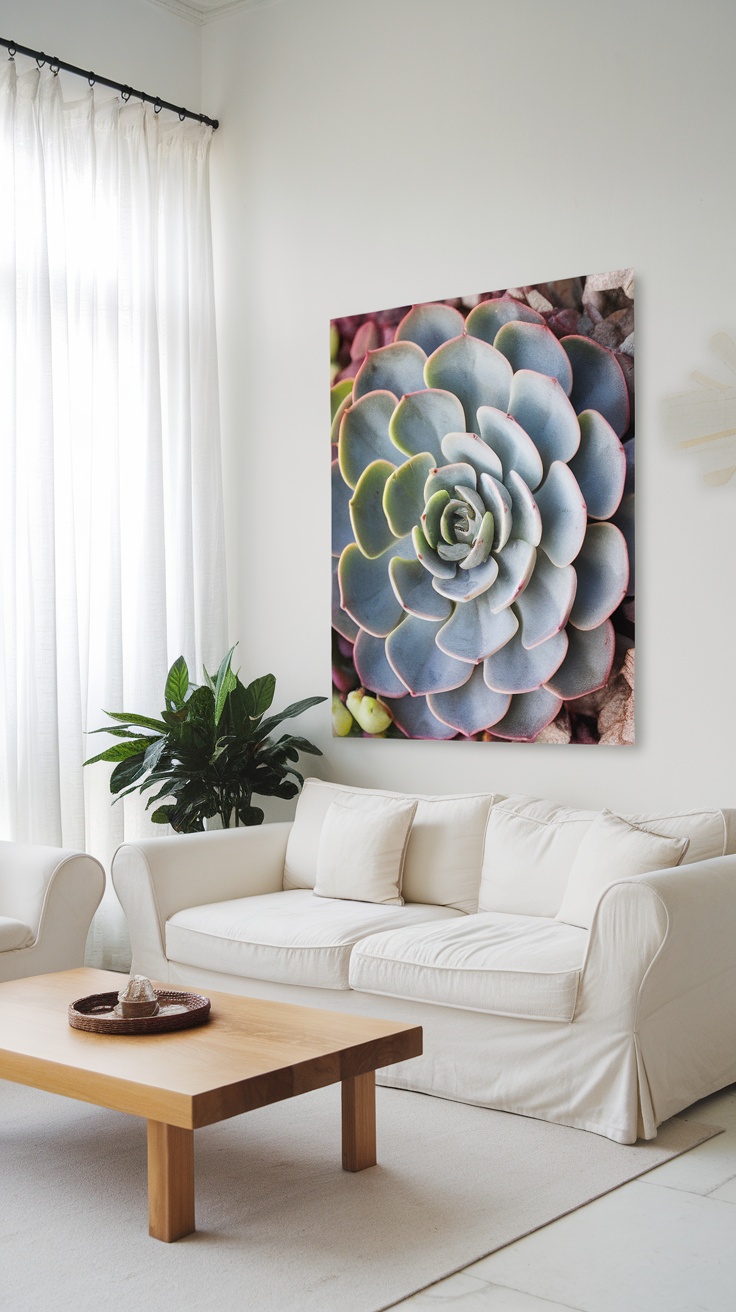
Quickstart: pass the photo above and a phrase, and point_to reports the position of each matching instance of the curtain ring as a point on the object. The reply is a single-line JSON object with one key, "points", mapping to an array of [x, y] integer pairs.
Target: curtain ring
{"points": [[125, 93], [158, 105], [54, 66], [91, 79], [40, 60], [12, 51], [182, 115]]}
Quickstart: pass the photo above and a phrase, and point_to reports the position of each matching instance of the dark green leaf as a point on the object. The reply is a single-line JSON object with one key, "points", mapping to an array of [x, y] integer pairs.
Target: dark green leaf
{"points": [[127, 772], [250, 815], [223, 684], [259, 694], [143, 721], [296, 708], [177, 683], [162, 816], [121, 751]]}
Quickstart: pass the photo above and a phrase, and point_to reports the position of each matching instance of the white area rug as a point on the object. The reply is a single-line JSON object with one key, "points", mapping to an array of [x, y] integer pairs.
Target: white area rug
{"points": [[282, 1228]]}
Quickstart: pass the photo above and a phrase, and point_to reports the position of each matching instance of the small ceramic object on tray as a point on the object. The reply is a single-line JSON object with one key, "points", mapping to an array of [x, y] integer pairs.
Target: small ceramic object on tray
{"points": [[138, 1009]]}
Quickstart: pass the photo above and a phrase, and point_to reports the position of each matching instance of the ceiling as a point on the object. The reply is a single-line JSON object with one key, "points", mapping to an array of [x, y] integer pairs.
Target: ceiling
{"points": [[208, 11]]}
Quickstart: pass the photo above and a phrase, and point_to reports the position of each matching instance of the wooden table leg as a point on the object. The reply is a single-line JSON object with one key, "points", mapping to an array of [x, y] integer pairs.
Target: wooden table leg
{"points": [[359, 1122], [170, 1181]]}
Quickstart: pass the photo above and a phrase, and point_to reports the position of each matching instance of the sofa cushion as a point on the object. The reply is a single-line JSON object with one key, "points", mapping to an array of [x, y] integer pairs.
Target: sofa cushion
{"points": [[286, 937], [506, 965], [443, 855], [14, 934], [531, 845], [614, 849], [362, 848]]}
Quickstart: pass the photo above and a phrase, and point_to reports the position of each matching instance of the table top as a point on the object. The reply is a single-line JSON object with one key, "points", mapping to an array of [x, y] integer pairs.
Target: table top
{"points": [[251, 1052]]}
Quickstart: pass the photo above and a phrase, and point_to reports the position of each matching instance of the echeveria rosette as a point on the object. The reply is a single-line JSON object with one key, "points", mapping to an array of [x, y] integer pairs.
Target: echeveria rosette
{"points": [[479, 467]]}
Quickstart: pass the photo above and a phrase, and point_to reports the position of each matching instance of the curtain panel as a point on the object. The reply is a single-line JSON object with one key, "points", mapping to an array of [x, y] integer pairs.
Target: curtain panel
{"points": [[112, 558]]}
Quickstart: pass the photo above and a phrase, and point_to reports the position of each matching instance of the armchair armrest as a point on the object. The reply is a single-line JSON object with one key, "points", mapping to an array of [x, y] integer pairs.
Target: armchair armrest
{"points": [[56, 892], [157, 877]]}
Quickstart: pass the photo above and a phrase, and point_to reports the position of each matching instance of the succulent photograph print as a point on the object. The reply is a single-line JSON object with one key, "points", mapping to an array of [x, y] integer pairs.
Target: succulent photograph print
{"points": [[483, 516]]}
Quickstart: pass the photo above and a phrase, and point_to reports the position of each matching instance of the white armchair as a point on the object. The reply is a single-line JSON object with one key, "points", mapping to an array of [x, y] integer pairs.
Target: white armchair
{"points": [[48, 896]]}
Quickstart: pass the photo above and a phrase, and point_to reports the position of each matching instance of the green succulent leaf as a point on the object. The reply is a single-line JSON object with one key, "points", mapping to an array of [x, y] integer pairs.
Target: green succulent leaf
{"points": [[403, 495], [370, 526]]}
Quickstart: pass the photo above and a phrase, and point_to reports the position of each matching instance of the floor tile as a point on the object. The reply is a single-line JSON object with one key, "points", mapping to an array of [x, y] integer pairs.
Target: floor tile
{"points": [[726, 1193], [464, 1293], [642, 1248]]}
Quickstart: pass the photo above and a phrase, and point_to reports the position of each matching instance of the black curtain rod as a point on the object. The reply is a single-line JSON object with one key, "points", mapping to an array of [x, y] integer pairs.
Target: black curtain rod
{"points": [[126, 92]]}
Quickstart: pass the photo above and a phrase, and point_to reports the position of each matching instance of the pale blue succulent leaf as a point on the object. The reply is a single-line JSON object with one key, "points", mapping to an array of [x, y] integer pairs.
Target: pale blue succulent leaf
{"points": [[599, 382], [403, 495], [468, 584], [449, 517], [341, 621], [370, 526], [602, 567], [412, 585], [417, 660], [372, 667], [473, 631], [342, 528], [472, 708], [364, 436], [431, 519], [481, 548], [366, 593], [457, 551], [431, 561], [421, 420], [544, 411], [486, 319], [511, 444], [534, 346], [397, 368], [587, 665], [545, 604], [564, 515], [446, 478], [599, 465], [430, 325], [527, 715], [472, 450], [515, 669], [475, 372], [515, 567], [527, 520], [497, 499], [624, 520], [414, 718]]}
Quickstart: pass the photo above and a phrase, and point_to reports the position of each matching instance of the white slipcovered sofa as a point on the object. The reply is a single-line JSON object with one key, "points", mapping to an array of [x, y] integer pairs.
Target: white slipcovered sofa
{"points": [[611, 1028], [48, 896]]}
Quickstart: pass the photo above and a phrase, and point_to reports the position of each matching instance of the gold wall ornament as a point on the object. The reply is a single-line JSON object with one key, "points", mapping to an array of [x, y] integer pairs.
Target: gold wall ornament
{"points": [[703, 421]]}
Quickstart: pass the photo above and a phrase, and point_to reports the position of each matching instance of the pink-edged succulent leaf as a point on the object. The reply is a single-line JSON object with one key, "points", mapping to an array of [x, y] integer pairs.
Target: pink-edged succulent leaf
{"points": [[528, 715], [515, 566], [441, 569], [516, 669], [545, 412], [374, 671], [414, 718], [445, 478], [344, 405], [396, 368], [420, 664], [602, 568], [370, 526], [599, 465], [472, 450], [341, 621], [466, 585], [421, 420], [364, 436], [412, 585], [534, 346], [497, 499], [474, 631], [477, 374], [587, 665], [526, 518], [511, 444], [624, 520], [433, 516], [403, 495], [342, 528], [340, 393], [365, 590], [598, 382], [486, 319], [472, 708], [430, 325], [367, 338], [564, 516], [544, 606]]}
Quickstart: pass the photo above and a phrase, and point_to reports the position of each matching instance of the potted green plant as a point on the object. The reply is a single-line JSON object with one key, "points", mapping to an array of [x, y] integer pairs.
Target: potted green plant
{"points": [[211, 751]]}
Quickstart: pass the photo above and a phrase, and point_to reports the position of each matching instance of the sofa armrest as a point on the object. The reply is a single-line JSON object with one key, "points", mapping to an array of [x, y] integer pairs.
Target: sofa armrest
{"points": [[34, 878], [157, 877]]}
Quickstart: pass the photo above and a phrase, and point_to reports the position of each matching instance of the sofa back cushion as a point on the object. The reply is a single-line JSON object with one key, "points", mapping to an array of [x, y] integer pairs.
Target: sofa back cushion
{"points": [[376, 827], [531, 845], [443, 859]]}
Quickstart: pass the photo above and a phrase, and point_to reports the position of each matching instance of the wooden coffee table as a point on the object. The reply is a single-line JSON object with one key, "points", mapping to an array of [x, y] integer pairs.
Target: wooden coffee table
{"points": [[251, 1052]]}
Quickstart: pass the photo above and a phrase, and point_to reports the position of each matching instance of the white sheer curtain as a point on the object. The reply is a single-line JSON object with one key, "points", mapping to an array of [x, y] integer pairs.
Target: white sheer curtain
{"points": [[111, 521]]}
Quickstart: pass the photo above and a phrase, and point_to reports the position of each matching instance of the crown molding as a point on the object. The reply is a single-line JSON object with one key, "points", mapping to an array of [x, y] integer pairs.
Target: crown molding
{"points": [[210, 11]]}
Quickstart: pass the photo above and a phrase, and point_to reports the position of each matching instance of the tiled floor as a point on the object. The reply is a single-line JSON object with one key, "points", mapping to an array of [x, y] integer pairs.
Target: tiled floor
{"points": [[664, 1243]]}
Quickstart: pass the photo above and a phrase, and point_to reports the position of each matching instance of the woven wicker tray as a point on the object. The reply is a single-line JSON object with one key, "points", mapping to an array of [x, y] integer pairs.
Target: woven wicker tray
{"points": [[95, 1014]]}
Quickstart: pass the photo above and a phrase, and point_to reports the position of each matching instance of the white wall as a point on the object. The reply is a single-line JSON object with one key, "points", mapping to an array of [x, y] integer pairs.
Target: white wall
{"points": [[373, 155], [130, 41]]}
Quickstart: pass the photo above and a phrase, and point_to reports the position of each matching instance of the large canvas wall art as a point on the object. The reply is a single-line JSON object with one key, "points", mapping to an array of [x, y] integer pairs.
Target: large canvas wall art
{"points": [[483, 516]]}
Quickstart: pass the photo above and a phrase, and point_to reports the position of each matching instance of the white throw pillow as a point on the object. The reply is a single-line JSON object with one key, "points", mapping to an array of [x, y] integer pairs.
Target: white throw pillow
{"points": [[362, 848], [613, 849], [529, 849]]}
